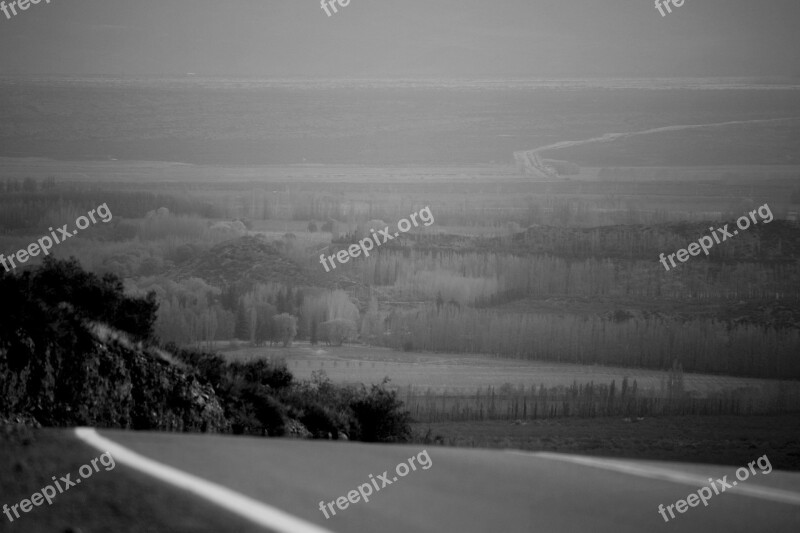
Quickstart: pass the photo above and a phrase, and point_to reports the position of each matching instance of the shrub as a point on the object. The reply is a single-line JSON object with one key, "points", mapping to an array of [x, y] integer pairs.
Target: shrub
{"points": [[320, 420], [248, 391], [275, 376], [209, 367], [267, 411], [323, 407], [381, 415]]}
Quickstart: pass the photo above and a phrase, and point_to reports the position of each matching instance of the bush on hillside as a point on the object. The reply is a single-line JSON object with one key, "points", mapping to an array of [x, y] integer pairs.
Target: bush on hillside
{"points": [[248, 391], [370, 415], [90, 297]]}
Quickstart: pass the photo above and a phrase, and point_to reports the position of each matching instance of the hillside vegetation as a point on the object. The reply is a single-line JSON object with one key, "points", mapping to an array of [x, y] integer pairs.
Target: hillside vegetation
{"points": [[75, 350]]}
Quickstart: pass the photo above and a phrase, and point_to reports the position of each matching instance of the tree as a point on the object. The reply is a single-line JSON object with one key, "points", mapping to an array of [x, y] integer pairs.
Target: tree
{"points": [[265, 325], [48, 183], [288, 300], [313, 334], [229, 298], [262, 334], [372, 324], [336, 332], [280, 302], [242, 328], [286, 328], [29, 185]]}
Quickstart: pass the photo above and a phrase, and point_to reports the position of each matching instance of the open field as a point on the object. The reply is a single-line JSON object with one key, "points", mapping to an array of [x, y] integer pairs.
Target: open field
{"points": [[166, 174], [258, 122], [220, 176], [729, 440], [466, 373]]}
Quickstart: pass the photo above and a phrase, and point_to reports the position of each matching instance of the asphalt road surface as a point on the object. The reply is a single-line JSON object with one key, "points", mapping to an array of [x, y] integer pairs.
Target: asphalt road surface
{"points": [[465, 491]]}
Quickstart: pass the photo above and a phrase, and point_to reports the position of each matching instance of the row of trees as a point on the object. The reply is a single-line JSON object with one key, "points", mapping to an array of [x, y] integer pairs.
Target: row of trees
{"points": [[700, 345], [193, 312], [29, 184], [476, 277], [586, 401], [25, 208], [555, 204]]}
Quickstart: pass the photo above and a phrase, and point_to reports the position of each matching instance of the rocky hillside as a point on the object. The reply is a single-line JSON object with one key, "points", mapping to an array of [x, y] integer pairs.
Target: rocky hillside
{"points": [[62, 367]]}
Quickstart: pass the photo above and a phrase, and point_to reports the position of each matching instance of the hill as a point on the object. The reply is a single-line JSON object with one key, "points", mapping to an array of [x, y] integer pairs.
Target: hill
{"points": [[246, 260]]}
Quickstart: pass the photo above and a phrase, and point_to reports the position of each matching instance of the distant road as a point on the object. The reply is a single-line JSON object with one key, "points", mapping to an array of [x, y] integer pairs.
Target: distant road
{"points": [[466, 491], [614, 136]]}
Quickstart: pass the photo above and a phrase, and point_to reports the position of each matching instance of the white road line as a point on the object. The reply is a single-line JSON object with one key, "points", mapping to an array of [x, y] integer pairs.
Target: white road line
{"points": [[237, 503], [654, 472]]}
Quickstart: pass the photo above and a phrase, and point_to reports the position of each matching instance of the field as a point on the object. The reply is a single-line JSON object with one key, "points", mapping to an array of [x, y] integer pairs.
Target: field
{"points": [[215, 122], [459, 387], [724, 440], [463, 373]]}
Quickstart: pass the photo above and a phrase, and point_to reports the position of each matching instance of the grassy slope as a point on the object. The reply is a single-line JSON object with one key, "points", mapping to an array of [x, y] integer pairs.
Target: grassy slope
{"points": [[119, 500]]}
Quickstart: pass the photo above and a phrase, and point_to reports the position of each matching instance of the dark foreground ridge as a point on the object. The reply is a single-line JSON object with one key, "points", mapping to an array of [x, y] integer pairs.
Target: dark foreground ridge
{"points": [[75, 350]]}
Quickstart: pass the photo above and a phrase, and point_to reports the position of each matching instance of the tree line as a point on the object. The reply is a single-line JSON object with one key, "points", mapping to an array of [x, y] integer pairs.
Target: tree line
{"points": [[699, 345]]}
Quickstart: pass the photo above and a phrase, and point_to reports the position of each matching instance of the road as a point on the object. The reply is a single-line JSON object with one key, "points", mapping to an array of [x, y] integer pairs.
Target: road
{"points": [[464, 490]]}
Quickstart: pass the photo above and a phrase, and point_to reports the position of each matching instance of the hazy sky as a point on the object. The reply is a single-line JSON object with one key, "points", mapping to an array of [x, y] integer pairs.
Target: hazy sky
{"points": [[403, 38]]}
